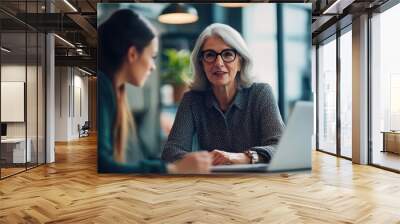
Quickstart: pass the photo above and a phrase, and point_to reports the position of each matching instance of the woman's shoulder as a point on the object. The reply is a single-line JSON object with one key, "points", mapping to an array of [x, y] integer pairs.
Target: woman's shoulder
{"points": [[261, 94], [106, 97], [258, 88], [195, 100], [193, 96], [104, 83]]}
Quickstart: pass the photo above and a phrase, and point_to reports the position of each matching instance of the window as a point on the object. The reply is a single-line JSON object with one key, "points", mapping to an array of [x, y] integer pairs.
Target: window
{"points": [[385, 89], [281, 49], [346, 94], [261, 40], [327, 96]]}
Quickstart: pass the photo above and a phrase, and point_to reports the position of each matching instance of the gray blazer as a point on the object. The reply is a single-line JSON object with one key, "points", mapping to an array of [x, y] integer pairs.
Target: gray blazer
{"points": [[252, 122]]}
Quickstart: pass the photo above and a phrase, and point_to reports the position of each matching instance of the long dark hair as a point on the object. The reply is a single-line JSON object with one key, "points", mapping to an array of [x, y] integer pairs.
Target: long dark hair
{"points": [[122, 30]]}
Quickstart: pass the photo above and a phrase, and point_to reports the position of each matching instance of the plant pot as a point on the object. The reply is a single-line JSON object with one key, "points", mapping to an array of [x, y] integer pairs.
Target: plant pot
{"points": [[179, 90]]}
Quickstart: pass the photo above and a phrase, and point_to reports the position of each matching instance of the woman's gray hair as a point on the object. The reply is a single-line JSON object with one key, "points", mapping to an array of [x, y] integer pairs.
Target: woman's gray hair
{"points": [[232, 38]]}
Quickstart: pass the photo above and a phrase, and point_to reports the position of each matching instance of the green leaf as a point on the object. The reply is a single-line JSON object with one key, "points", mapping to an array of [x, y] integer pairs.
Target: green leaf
{"points": [[176, 67]]}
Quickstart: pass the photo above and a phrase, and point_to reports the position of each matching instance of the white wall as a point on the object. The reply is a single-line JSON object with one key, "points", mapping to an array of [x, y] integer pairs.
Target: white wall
{"points": [[61, 103], [71, 93], [13, 73], [33, 127], [80, 95]]}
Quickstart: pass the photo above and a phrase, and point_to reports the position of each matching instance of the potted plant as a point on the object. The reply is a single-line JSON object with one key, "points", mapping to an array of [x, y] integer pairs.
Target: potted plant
{"points": [[176, 71]]}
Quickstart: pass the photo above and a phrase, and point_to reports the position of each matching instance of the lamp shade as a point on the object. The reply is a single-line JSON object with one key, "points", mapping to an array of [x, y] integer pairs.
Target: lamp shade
{"points": [[178, 13], [233, 4]]}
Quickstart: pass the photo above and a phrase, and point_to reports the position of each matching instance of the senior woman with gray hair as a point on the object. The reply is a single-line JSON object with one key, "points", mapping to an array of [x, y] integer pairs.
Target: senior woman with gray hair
{"points": [[232, 117]]}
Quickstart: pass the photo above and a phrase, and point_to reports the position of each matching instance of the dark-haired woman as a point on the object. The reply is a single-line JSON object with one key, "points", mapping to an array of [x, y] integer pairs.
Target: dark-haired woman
{"points": [[127, 47]]}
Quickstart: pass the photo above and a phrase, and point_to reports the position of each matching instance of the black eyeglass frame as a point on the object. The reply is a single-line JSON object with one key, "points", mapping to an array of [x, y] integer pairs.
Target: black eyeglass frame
{"points": [[201, 57]]}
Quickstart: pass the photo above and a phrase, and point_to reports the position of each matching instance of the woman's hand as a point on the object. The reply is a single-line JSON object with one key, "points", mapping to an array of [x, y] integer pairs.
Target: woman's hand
{"points": [[225, 158], [191, 163]]}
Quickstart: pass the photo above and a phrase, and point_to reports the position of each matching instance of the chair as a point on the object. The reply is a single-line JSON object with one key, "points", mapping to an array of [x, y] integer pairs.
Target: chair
{"points": [[84, 130]]}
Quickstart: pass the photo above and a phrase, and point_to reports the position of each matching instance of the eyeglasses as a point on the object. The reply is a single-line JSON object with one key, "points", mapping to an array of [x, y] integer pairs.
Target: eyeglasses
{"points": [[227, 55]]}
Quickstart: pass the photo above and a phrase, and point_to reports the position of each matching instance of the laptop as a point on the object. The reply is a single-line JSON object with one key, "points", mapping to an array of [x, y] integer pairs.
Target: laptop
{"points": [[294, 149]]}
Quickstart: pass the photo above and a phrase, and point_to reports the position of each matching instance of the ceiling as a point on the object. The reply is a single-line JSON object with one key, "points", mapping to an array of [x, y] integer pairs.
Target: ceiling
{"points": [[79, 27]]}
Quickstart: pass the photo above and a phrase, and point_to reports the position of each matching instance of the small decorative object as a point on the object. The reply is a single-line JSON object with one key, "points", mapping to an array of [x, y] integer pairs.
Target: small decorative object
{"points": [[176, 71]]}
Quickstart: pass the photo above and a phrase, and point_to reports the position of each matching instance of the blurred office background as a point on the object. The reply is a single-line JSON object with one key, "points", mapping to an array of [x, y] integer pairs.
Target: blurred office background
{"points": [[279, 38]]}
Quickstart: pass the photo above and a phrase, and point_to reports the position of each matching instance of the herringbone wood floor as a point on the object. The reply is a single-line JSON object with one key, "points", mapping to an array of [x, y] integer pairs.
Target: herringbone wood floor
{"points": [[70, 191]]}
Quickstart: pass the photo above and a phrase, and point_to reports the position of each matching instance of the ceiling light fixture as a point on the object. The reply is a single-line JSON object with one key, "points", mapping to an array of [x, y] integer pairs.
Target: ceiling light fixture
{"points": [[70, 5], [5, 49], [337, 7], [64, 40], [178, 13], [84, 71], [79, 51], [233, 4]]}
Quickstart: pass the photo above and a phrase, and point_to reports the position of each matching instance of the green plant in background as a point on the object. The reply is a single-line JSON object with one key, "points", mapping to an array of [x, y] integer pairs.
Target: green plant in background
{"points": [[176, 67]]}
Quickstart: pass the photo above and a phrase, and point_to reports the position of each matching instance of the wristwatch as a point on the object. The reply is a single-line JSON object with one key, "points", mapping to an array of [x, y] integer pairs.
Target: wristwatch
{"points": [[253, 155]]}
